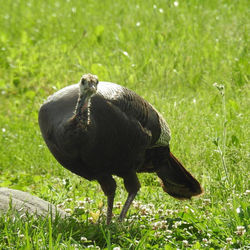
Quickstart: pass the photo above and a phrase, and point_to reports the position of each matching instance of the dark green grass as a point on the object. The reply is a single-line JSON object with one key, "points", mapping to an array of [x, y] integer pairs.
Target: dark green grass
{"points": [[172, 56]]}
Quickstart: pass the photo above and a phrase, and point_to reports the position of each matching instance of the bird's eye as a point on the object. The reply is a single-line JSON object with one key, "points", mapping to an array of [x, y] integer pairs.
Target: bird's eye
{"points": [[82, 81]]}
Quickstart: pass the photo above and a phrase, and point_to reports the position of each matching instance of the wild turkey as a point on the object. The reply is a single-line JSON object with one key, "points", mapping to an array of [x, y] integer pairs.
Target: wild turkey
{"points": [[99, 129]]}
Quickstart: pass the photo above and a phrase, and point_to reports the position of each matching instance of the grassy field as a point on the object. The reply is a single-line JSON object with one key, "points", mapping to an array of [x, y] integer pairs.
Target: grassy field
{"points": [[188, 58]]}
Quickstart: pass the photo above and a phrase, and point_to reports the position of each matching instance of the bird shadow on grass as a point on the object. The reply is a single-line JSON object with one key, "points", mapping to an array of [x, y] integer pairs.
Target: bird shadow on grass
{"points": [[71, 231]]}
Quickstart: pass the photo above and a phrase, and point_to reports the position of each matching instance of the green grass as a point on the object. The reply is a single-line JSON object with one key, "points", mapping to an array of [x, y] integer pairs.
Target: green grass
{"points": [[172, 56]]}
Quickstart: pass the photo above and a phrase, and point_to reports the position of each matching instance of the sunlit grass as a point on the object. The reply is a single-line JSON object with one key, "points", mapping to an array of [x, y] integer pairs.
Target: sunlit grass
{"points": [[170, 52]]}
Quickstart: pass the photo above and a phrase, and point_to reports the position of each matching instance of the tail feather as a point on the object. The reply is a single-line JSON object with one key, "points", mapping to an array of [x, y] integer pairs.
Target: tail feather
{"points": [[176, 180]]}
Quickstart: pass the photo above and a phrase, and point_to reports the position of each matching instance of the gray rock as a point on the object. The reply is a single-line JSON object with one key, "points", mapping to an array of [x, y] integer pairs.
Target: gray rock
{"points": [[24, 202]]}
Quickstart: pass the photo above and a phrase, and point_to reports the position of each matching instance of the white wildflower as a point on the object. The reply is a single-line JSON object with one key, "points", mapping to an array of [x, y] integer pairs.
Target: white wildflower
{"points": [[68, 210], [229, 240], [206, 201], [118, 204], [238, 210], [247, 192], [185, 243], [81, 203], [160, 211], [125, 53], [137, 204], [240, 230], [145, 210], [83, 239], [169, 212], [88, 200], [177, 223], [157, 234], [176, 3], [81, 207], [157, 225]]}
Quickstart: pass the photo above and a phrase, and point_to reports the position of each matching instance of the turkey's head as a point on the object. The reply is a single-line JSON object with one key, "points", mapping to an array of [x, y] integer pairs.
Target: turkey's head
{"points": [[88, 85]]}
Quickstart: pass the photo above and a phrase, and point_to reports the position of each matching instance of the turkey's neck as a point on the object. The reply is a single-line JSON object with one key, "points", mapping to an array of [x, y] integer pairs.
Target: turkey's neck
{"points": [[82, 104]]}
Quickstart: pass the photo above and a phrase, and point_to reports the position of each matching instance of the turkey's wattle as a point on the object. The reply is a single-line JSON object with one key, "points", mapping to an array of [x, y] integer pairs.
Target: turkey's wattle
{"points": [[99, 129]]}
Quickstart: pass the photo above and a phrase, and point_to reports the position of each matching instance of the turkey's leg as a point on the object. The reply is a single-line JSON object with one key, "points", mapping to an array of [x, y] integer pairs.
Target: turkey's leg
{"points": [[132, 186], [108, 186]]}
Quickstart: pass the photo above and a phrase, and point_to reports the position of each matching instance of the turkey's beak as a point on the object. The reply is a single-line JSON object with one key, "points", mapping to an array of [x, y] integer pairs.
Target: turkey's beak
{"points": [[92, 87]]}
